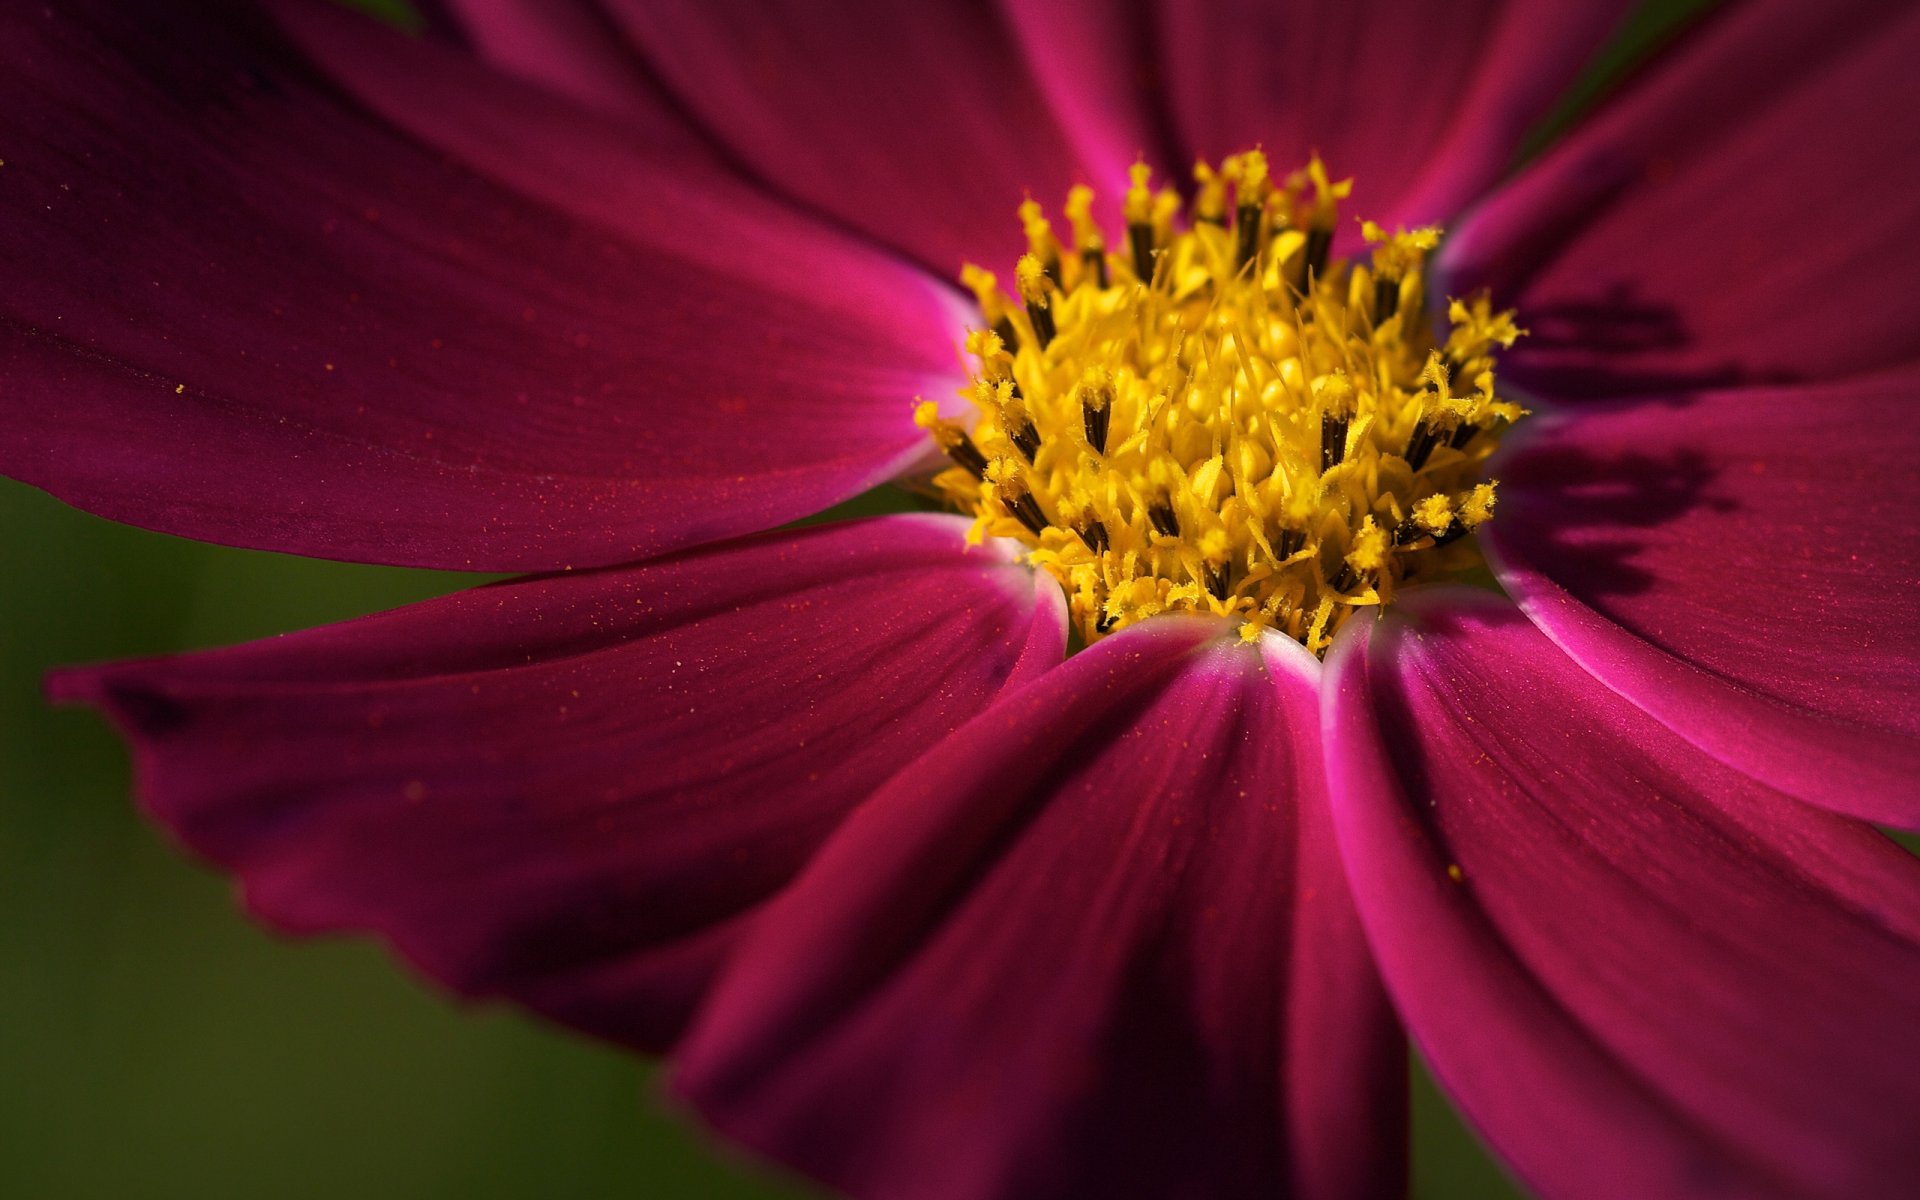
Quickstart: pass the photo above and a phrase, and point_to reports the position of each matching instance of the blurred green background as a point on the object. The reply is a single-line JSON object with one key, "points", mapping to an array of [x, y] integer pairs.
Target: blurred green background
{"points": [[153, 1044]]}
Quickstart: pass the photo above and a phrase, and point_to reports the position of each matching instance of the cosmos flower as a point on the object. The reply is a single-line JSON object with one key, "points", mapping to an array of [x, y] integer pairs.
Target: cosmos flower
{"points": [[607, 292]]}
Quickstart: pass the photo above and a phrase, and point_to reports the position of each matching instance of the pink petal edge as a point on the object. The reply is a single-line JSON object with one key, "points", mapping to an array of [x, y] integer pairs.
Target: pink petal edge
{"points": [[1638, 972]]}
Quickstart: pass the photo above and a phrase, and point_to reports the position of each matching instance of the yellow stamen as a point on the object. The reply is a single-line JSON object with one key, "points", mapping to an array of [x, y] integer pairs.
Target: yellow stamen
{"points": [[1210, 198], [1223, 418]]}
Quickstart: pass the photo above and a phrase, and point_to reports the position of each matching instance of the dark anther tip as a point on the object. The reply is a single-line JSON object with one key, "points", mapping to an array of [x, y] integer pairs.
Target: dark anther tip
{"points": [[1164, 519], [1333, 441], [1026, 439]]}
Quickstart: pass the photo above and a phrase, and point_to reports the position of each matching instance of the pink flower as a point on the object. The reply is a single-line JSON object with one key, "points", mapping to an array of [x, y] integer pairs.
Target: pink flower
{"points": [[918, 908]]}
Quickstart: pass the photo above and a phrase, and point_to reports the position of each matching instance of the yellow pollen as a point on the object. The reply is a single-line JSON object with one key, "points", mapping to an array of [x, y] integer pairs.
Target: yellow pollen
{"points": [[1222, 418]]}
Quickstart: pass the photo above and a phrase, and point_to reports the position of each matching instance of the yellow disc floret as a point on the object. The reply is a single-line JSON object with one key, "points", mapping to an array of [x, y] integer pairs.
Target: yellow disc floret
{"points": [[1222, 418]]}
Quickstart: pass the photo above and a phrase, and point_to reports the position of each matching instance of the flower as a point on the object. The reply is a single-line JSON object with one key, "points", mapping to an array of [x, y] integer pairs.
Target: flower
{"points": [[917, 907]]}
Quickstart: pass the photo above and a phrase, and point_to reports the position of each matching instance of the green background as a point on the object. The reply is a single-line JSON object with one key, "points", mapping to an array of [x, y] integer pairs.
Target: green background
{"points": [[154, 1044]]}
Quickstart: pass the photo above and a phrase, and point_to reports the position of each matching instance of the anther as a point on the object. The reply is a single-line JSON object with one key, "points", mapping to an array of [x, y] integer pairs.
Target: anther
{"points": [[1394, 256], [1249, 172], [968, 455], [1028, 512], [1291, 541], [1096, 261], [1094, 533], [1420, 443], [1009, 336], [1105, 622], [1210, 196], [1246, 223], [1096, 414], [1026, 439], [1333, 440], [1319, 245], [1087, 238], [1386, 299], [1463, 435], [1140, 238], [1345, 580], [1431, 517], [1335, 395], [1164, 520], [1041, 242], [1139, 212], [1218, 579], [1035, 287], [1042, 319], [1015, 496], [951, 438]]}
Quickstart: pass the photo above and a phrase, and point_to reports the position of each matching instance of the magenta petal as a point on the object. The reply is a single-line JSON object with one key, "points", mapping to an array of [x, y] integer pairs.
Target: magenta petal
{"points": [[1097, 64], [567, 46], [573, 790], [1095, 944], [1743, 565], [238, 308], [919, 124], [1637, 971], [1423, 104], [1744, 213]]}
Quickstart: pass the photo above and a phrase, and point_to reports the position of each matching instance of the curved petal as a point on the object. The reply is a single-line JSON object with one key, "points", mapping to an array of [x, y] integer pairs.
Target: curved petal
{"points": [[1096, 943], [1423, 104], [575, 790], [1097, 64], [240, 309], [569, 47], [1637, 971], [1744, 214], [918, 124], [1742, 565]]}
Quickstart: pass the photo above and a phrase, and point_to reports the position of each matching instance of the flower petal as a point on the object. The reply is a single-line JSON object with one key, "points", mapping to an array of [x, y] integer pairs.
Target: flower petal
{"points": [[568, 47], [1742, 565], [1744, 214], [1637, 971], [574, 790], [918, 124], [1097, 64], [1423, 104], [242, 310], [1096, 943]]}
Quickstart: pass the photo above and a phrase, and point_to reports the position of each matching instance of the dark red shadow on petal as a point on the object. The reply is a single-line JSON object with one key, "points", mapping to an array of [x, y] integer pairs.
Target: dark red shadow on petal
{"points": [[1598, 506], [1742, 565], [1741, 213]]}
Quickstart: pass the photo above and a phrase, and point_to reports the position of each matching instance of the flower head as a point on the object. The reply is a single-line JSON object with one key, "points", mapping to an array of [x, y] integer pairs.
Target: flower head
{"points": [[918, 906], [1241, 430]]}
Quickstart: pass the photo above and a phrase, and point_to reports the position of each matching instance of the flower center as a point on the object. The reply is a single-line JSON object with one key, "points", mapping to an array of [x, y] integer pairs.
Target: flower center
{"points": [[1224, 418]]}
